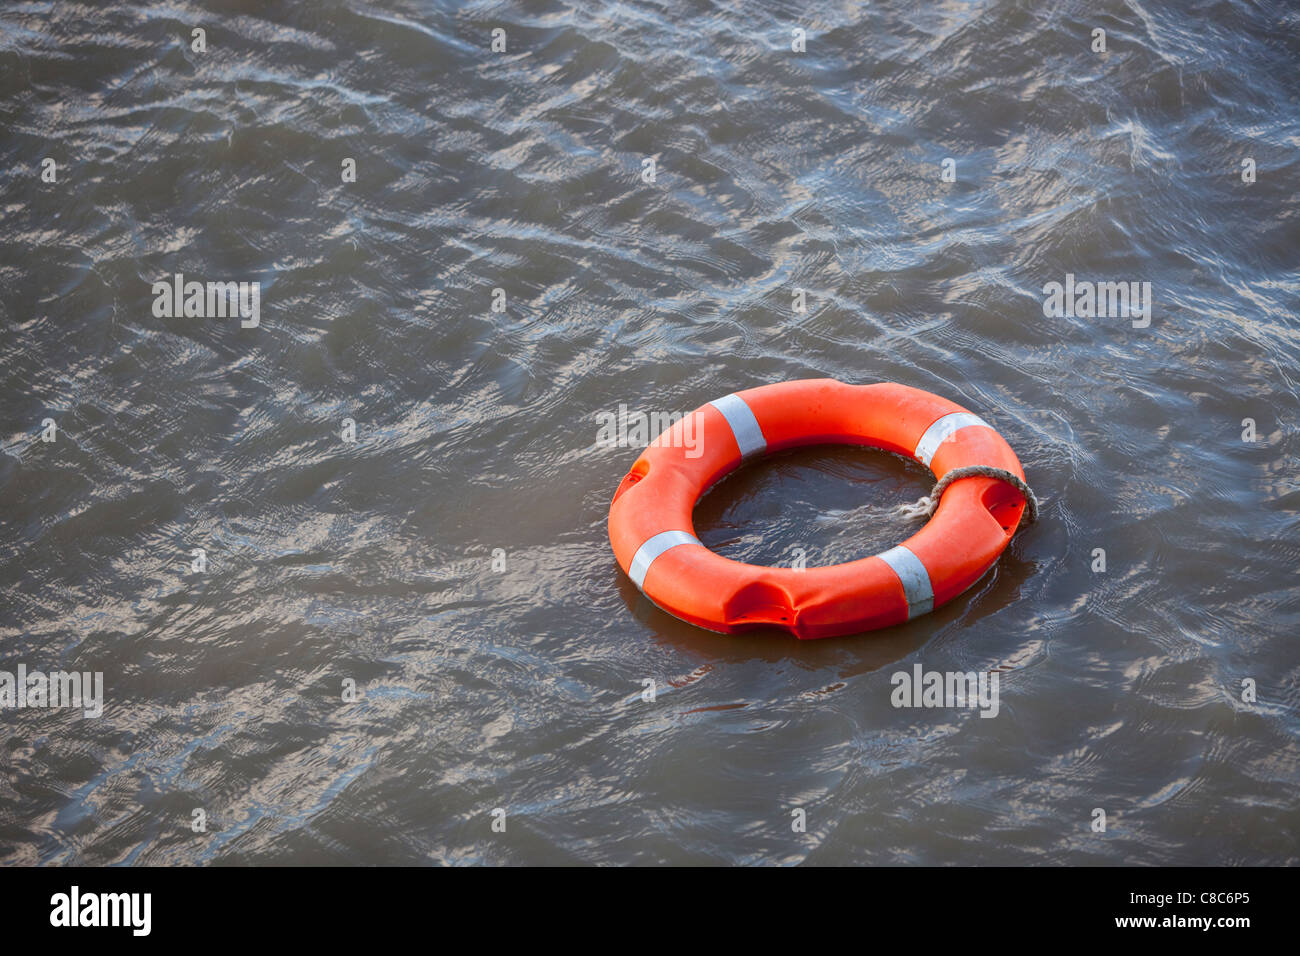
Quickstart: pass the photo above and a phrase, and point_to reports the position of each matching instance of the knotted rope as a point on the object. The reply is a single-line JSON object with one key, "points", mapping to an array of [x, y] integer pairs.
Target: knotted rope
{"points": [[926, 506]]}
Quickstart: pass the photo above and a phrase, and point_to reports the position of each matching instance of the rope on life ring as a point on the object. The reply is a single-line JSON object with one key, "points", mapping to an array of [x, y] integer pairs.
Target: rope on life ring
{"points": [[927, 505]]}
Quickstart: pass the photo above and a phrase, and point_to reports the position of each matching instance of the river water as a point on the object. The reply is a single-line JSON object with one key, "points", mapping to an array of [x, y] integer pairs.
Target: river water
{"points": [[356, 651]]}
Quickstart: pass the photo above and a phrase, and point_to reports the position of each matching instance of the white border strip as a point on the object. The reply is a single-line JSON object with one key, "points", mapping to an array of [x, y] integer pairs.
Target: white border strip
{"points": [[915, 578], [941, 430], [743, 424], [657, 545]]}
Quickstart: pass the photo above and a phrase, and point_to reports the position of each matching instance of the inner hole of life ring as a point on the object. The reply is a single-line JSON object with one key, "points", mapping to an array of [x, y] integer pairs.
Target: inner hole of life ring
{"points": [[813, 507]]}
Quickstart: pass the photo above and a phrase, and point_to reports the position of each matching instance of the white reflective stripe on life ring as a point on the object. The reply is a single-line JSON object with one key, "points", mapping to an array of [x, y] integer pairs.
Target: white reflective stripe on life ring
{"points": [[915, 579], [743, 424], [657, 545], [943, 429]]}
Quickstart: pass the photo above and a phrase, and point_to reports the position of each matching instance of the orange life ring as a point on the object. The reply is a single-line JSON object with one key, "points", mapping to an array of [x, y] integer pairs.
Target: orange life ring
{"points": [[654, 539]]}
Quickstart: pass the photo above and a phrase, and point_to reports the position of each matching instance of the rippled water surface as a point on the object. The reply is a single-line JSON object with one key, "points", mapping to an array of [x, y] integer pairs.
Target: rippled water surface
{"points": [[520, 689]]}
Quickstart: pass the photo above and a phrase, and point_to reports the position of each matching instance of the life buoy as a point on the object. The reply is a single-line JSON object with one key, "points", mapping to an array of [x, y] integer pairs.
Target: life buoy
{"points": [[654, 540]]}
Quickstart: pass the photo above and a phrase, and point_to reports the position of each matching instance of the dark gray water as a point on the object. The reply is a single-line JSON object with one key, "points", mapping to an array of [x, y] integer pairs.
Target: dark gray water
{"points": [[372, 561]]}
